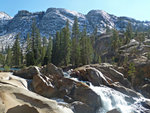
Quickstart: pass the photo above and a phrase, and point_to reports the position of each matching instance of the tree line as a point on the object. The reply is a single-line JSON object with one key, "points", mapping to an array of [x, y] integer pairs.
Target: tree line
{"points": [[64, 48]]}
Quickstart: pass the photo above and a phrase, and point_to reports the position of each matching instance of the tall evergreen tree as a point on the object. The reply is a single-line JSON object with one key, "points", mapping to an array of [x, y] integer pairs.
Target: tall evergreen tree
{"points": [[75, 50], [38, 48], [86, 48], [2, 59], [48, 56], [29, 52], [128, 33], [44, 49], [131, 72], [75, 29], [115, 42], [56, 49], [8, 61], [33, 35], [16, 52], [66, 43]]}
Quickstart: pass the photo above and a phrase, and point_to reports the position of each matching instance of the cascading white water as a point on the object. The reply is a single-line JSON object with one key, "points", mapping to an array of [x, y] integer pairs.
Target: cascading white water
{"points": [[112, 99]]}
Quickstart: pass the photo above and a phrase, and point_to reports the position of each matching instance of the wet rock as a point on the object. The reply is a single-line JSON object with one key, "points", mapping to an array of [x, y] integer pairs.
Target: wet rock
{"points": [[146, 104], [145, 90], [125, 90], [79, 107], [114, 111]]}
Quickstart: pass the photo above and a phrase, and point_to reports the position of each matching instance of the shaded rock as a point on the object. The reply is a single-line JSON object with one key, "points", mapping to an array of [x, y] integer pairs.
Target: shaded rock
{"points": [[84, 94], [145, 90], [27, 73], [146, 104], [125, 90], [79, 107], [96, 77], [22, 109], [68, 99], [51, 69], [114, 111], [43, 86]]}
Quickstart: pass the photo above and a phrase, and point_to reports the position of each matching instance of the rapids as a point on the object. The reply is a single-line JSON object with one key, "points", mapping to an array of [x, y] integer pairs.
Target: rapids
{"points": [[112, 99]]}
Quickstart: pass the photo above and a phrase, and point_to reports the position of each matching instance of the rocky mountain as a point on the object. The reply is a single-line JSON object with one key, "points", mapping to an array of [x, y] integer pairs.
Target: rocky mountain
{"points": [[55, 18]]}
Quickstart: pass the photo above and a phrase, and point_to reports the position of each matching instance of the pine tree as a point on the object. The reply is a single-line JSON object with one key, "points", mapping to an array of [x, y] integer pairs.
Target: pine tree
{"points": [[75, 29], [33, 35], [75, 56], [128, 33], [29, 52], [75, 49], [94, 37], [2, 59], [48, 56], [66, 44], [8, 61], [115, 42], [56, 49], [86, 48], [36, 45], [38, 48], [44, 49], [16, 52], [131, 72]]}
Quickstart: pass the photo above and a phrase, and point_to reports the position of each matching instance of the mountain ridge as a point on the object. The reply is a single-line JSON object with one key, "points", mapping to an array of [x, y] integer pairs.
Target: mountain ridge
{"points": [[53, 19]]}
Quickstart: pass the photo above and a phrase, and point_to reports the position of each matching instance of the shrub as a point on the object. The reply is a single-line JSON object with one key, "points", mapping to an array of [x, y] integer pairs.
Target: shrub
{"points": [[6, 68]]}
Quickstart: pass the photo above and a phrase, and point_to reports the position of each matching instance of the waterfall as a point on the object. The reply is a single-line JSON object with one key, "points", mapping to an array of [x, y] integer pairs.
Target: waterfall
{"points": [[112, 99]]}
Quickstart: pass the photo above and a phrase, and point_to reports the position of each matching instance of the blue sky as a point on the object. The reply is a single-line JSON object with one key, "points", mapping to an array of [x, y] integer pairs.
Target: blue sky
{"points": [[138, 9]]}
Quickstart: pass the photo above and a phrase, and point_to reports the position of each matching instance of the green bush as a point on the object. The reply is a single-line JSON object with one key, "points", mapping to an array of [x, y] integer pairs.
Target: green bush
{"points": [[6, 68]]}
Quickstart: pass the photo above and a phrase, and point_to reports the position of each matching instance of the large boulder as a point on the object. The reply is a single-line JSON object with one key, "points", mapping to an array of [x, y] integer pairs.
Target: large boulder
{"points": [[87, 73], [79, 107], [8, 78], [100, 74], [51, 69], [110, 72], [27, 73], [22, 109], [14, 99]]}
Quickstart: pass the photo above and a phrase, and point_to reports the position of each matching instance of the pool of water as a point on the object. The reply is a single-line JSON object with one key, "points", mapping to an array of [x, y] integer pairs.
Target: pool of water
{"points": [[11, 69]]}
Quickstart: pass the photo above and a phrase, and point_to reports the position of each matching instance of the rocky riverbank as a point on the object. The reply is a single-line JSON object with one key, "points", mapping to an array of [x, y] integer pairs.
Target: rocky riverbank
{"points": [[87, 89]]}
